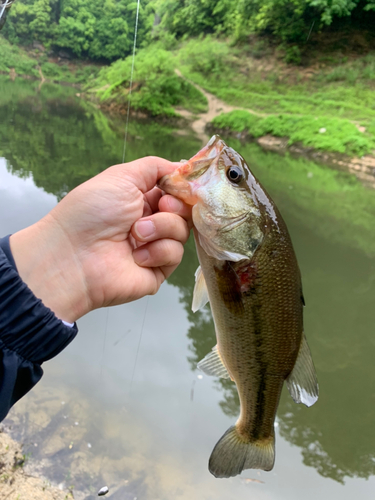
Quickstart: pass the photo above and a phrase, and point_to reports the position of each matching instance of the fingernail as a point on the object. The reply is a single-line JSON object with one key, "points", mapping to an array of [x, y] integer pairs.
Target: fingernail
{"points": [[141, 255], [144, 228], [174, 204]]}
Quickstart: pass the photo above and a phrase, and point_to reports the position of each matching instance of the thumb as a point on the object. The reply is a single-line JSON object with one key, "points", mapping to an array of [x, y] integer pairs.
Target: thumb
{"points": [[145, 172]]}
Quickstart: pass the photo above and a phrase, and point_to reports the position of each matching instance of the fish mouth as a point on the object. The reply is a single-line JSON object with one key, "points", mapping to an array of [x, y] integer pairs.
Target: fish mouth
{"points": [[180, 183]]}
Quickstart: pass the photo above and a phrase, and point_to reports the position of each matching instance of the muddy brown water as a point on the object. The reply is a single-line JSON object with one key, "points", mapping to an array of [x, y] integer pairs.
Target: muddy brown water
{"points": [[145, 426]]}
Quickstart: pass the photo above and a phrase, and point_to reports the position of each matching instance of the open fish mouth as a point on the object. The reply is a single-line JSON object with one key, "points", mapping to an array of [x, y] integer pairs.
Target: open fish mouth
{"points": [[181, 181]]}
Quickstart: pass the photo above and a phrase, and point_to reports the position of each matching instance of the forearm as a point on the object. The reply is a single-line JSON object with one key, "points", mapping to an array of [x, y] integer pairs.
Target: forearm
{"points": [[47, 263]]}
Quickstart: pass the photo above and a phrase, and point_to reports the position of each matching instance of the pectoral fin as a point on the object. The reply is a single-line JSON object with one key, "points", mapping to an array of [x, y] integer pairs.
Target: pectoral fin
{"points": [[213, 365], [302, 382], [200, 294]]}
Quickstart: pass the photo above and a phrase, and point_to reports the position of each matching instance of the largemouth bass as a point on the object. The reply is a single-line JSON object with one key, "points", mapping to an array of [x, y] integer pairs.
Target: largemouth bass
{"points": [[249, 273]]}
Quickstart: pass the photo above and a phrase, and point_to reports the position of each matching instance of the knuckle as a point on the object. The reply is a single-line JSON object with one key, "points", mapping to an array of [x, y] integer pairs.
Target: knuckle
{"points": [[177, 228], [170, 252]]}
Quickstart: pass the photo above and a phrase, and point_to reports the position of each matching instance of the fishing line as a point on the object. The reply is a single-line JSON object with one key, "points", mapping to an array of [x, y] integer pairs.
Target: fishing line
{"points": [[104, 342], [131, 81], [125, 139], [139, 345], [123, 160], [308, 36]]}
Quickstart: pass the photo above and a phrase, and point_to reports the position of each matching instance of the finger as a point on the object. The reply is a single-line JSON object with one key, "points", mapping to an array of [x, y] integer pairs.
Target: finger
{"points": [[161, 253], [145, 172], [168, 203], [152, 201], [160, 226], [171, 204]]}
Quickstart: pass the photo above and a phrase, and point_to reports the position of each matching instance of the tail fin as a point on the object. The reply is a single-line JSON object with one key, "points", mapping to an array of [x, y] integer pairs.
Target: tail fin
{"points": [[232, 455]]}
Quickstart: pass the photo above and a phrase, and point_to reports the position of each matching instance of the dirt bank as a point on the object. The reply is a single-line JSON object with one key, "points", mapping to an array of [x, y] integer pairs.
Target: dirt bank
{"points": [[215, 107], [15, 483]]}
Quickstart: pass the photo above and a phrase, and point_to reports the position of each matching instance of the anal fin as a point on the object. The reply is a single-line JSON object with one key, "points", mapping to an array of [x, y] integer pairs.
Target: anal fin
{"points": [[213, 365], [302, 381]]}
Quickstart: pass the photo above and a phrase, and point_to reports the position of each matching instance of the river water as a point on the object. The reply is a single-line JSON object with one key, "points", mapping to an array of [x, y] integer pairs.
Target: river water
{"points": [[145, 424]]}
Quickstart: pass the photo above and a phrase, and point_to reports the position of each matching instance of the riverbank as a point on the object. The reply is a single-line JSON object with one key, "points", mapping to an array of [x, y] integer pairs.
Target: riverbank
{"points": [[15, 482], [38, 63], [324, 111]]}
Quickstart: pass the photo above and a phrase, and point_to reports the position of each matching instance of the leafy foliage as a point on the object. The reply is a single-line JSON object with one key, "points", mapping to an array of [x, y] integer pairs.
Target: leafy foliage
{"points": [[87, 28], [207, 56], [289, 20], [105, 30], [156, 87], [12, 57]]}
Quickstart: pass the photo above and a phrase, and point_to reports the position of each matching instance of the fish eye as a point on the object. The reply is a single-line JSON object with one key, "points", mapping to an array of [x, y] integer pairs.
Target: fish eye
{"points": [[235, 175]]}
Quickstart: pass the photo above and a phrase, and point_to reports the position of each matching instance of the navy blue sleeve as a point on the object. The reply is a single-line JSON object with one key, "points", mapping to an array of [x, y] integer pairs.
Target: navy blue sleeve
{"points": [[30, 333]]}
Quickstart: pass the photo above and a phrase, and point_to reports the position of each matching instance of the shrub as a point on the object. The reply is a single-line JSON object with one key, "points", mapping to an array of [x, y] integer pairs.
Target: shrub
{"points": [[156, 87], [207, 56]]}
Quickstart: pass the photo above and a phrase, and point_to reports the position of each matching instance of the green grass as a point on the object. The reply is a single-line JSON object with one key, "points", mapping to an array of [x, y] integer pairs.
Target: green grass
{"points": [[12, 57], [328, 134], [345, 90], [63, 73]]}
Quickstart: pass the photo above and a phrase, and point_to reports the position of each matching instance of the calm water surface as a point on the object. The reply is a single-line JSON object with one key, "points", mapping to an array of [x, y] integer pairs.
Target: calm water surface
{"points": [[146, 424]]}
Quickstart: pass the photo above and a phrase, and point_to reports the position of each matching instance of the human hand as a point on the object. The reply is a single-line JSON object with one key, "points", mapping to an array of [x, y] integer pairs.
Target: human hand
{"points": [[92, 250]]}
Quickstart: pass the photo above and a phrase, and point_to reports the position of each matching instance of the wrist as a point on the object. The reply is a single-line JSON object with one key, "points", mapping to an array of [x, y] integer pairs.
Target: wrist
{"points": [[47, 263]]}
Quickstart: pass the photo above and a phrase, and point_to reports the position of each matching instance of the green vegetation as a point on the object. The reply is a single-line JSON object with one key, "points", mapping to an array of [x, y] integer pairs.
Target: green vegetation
{"points": [[239, 80], [239, 54], [156, 88], [105, 30], [12, 56], [86, 28], [81, 74], [329, 134], [36, 64], [287, 20]]}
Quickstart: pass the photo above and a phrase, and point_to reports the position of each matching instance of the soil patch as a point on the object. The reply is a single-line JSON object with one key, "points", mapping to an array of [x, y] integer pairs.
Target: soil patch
{"points": [[15, 483]]}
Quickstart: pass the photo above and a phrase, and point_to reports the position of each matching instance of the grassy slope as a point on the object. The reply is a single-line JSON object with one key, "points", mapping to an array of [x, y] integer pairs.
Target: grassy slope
{"points": [[32, 63], [307, 99]]}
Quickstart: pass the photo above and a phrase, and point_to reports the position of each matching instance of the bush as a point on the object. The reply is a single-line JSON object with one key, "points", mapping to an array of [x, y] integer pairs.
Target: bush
{"points": [[207, 56], [11, 57], [156, 87], [292, 55]]}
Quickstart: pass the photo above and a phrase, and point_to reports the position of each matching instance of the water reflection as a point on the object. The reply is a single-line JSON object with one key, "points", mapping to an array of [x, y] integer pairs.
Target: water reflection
{"points": [[63, 141]]}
